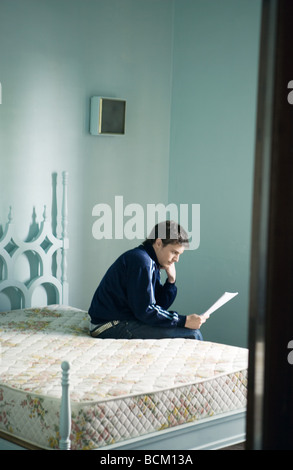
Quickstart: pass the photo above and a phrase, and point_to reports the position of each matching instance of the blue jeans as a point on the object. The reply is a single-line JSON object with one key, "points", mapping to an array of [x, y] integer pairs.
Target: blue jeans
{"points": [[134, 329]]}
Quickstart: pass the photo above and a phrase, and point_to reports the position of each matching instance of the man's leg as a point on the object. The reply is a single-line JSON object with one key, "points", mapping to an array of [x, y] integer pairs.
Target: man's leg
{"points": [[138, 330]]}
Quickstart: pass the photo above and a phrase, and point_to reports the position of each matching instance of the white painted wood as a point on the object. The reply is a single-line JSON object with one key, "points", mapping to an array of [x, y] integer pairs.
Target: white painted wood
{"points": [[6, 445], [65, 242], [212, 433], [205, 434], [65, 409], [12, 247]]}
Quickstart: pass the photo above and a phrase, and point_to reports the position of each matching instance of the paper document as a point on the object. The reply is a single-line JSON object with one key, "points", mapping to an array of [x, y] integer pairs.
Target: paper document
{"points": [[221, 301]]}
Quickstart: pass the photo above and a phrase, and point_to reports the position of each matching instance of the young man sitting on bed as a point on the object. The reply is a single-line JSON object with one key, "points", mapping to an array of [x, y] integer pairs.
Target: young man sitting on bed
{"points": [[131, 302]]}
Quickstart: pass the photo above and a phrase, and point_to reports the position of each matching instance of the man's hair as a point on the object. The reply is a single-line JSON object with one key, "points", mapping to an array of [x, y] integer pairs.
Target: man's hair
{"points": [[169, 232]]}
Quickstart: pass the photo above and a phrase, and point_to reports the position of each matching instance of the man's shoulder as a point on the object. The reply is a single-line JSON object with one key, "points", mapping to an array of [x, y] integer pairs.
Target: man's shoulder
{"points": [[137, 255]]}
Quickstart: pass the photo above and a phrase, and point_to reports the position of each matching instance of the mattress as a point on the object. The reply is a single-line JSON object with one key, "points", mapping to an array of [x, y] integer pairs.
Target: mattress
{"points": [[119, 389]]}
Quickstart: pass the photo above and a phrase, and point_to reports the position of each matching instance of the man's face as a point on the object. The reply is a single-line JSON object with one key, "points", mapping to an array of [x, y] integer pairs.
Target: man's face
{"points": [[167, 254]]}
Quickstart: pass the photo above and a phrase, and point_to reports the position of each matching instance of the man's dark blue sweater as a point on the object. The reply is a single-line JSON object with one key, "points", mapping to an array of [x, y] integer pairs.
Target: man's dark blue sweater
{"points": [[131, 290]]}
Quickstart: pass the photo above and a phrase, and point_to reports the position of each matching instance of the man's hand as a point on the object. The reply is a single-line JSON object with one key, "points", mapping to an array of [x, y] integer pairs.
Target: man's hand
{"points": [[171, 273], [194, 321]]}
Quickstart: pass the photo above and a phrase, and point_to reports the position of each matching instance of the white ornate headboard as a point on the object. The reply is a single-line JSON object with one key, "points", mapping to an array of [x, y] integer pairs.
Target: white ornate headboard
{"points": [[44, 246]]}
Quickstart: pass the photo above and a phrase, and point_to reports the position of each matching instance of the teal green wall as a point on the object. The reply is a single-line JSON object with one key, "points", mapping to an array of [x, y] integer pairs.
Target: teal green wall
{"points": [[188, 70], [54, 55], [215, 64]]}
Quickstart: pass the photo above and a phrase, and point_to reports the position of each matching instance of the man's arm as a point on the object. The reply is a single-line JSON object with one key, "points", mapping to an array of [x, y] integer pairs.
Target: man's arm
{"points": [[193, 321], [143, 299], [166, 294]]}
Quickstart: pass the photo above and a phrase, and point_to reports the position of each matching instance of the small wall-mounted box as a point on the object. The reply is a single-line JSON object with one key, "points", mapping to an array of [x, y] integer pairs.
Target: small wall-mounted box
{"points": [[107, 116]]}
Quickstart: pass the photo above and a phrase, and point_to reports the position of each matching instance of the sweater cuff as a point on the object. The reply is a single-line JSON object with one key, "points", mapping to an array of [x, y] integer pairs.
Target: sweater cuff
{"points": [[170, 285], [181, 321]]}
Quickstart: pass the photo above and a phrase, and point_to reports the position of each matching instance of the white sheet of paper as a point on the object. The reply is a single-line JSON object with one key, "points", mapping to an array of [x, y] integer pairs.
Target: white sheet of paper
{"points": [[221, 301]]}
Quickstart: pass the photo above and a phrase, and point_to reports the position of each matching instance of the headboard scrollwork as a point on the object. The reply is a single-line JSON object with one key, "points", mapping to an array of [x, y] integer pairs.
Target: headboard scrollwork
{"points": [[43, 248]]}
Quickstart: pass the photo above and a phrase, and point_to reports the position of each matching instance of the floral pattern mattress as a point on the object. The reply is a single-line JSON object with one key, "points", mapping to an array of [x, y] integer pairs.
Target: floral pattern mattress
{"points": [[119, 389]]}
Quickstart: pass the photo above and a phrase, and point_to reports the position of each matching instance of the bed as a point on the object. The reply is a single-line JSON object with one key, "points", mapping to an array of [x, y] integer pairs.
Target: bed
{"points": [[62, 389]]}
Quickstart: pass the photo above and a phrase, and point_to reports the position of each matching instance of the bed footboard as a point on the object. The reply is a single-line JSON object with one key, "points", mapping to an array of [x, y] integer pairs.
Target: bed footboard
{"points": [[65, 409]]}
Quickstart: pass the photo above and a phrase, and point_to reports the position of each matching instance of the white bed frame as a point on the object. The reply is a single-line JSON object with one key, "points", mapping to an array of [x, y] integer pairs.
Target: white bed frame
{"points": [[44, 245], [206, 434], [212, 433]]}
